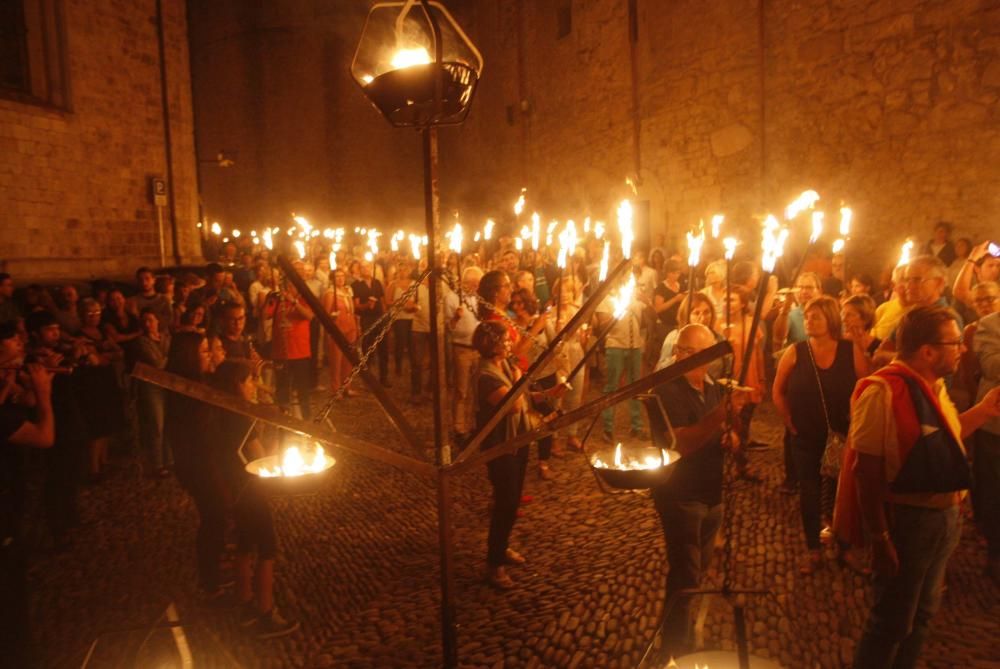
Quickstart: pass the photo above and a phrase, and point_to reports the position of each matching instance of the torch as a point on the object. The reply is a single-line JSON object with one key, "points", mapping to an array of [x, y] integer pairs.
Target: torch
{"points": [[620, 304], [694, 257], [455, 244], [846, 218], [772, 245], [805, 200]]}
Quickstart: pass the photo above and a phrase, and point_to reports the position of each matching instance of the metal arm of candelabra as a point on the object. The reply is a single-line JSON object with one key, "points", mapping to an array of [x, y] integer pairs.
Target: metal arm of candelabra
{"points": [[273, 416], [522, 384], [396, 416], [642, 385]]}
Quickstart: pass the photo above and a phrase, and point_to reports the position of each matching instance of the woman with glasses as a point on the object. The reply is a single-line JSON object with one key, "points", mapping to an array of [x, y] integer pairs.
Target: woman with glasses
{"points": [[812, 389]]}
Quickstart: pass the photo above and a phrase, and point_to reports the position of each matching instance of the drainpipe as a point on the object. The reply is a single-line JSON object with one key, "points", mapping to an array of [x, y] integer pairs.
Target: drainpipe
{"points": [[167, 143]]}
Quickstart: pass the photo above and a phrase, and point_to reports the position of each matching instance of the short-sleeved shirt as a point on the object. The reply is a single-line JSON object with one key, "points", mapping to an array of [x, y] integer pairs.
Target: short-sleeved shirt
{"points": [[627, 332], [362, 291], [290, 331], [667, 317], [873, 432], [158, 303], [698, 475]]}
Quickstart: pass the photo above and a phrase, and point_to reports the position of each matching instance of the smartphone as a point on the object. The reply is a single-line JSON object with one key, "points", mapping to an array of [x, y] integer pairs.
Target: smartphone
{"points": [[993, 249]]}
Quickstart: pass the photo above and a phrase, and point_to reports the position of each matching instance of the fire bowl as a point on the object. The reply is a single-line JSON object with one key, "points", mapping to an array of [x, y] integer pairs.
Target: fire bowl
{"points": [[406, 96], [303, 484], [633, 470]]}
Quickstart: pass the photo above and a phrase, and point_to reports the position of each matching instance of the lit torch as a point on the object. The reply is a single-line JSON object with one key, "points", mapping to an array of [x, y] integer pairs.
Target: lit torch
{"points": [[536, 230], [694, 242], [806, 200], [772, 245], [620, 303], [605, 258], [625, 228], [717, 221], [905, 252]]}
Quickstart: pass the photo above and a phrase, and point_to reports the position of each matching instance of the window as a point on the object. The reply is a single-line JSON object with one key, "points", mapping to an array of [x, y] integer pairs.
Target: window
{"points": [[32, 58], [564, 18]]}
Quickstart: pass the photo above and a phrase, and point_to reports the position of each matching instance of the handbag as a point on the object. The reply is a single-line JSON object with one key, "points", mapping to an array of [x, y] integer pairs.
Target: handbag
{"points": [[833, 453]]}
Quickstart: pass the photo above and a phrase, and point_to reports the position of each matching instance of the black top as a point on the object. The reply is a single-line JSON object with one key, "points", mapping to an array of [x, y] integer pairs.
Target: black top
{"points": [[12, 490], [698, 476], [803, 394], [362, 292], [668, 317], [237, 348]]}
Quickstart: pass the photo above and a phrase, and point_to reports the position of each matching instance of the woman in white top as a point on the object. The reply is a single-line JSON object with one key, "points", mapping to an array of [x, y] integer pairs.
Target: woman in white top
{"points": [[571, 353]]}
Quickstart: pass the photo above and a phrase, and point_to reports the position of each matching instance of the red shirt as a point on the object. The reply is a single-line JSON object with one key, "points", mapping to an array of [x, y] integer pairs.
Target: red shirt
{"points": [[290, 338]]}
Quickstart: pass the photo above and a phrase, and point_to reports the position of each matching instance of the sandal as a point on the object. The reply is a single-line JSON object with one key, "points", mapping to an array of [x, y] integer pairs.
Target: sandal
{"points": [[513, 557], [810, 563], [498, 578]]}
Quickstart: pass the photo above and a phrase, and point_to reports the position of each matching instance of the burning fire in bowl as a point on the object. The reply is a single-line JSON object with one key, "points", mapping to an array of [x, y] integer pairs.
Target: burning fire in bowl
{"points": [[634, 467], [294, 471]]}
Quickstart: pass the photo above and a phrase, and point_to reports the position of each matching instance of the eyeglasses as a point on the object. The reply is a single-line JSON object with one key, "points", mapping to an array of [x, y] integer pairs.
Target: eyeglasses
{"points": [[948, 343]]}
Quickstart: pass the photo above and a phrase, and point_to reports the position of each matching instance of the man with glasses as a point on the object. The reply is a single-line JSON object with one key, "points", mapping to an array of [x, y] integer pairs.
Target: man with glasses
{"points": [[790, 324], [986, 345], [910, 469], [690, 502], [924, 283]]}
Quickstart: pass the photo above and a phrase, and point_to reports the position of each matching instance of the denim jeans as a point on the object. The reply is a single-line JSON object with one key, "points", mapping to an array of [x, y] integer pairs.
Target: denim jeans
{"points": [[689, 529], [904, 604], [620, 361], [150, 403]]}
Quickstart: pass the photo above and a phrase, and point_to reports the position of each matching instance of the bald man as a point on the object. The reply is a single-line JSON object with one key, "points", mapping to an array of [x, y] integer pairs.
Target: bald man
{"points": [[690, 502]]}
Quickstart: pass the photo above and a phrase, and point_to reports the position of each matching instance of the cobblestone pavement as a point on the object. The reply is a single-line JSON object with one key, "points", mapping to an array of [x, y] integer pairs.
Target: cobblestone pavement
{"points": [[358, 567]]}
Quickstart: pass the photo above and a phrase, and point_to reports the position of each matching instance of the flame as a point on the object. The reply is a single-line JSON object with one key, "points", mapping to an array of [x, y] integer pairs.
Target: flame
{"points": [[525, 232], [567, 242], [772, 243], [303, 223], [717, 221], [476, 237], [605, 258], [586, 225], [253, 233], [216, 228], [846, 216], [838, 245], [626, 462], [225, 240], [455, 243], [293, 463], [621, 302], [409, 57], [300, 246], [694, 247], [730, 244], [806, 200], [519, 205], [393, 244], [367, 78], [236, 234], [905, 253], [256, 241], [415, 246], [599, 230], [519, 244], [625, 228], [488, 230], [536, 230], [817, 226], [333, 260], [560, 259], [268, 241]]}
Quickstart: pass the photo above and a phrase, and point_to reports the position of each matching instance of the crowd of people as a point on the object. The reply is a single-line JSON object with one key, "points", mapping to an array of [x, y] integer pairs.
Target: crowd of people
{"points": [[838, 354]]}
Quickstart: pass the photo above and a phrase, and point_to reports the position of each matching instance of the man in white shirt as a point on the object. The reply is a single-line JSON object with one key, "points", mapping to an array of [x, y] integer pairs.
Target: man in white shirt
{"points": [[460, 316]]}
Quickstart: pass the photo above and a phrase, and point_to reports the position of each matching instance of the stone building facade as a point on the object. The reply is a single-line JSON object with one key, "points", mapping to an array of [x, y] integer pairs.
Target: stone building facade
{"points": [[736, 106], [82, 132], [718, 105]]}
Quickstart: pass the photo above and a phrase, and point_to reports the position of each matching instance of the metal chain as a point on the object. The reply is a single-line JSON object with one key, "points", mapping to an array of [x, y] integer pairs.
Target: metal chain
{"points": [[393, 313], [397, 305]]}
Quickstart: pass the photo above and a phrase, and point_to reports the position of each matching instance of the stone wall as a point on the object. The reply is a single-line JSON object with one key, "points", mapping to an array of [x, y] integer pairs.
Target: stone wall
{"points": [[889, 105], [272, 86], [74, 198]]}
